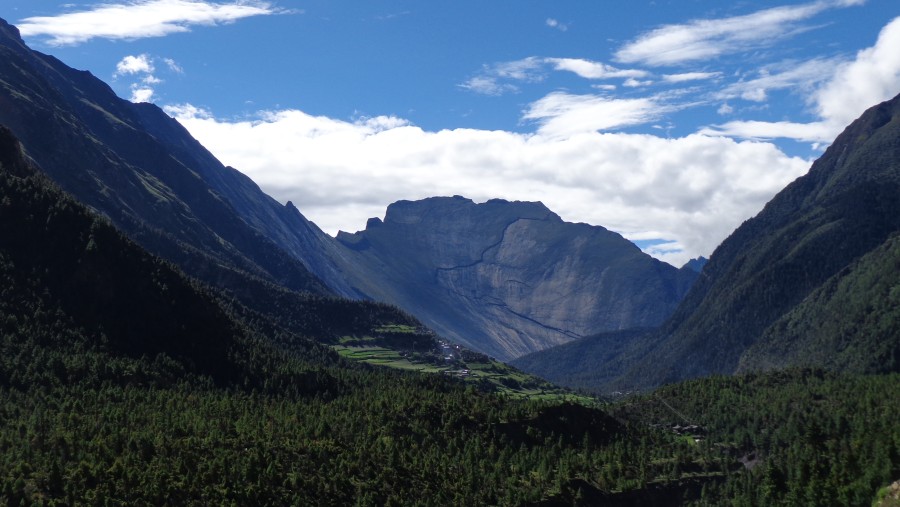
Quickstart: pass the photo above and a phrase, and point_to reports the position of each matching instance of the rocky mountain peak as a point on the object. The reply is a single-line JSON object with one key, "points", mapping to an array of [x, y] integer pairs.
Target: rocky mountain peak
{"points": [[439, 209], [507, 278], [9, 34]]}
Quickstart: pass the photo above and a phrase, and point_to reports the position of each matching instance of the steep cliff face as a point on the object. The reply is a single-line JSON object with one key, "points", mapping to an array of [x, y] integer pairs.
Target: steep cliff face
{"points": [[509, 278]]}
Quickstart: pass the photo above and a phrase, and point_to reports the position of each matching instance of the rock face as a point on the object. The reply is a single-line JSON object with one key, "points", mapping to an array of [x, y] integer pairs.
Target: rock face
{"points": [[509, 278]]}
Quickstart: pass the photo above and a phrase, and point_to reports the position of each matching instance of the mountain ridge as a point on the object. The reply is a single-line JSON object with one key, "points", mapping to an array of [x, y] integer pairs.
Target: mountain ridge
{"points": [[163, 179], [142, 169], [514, 271], [845, 207]]}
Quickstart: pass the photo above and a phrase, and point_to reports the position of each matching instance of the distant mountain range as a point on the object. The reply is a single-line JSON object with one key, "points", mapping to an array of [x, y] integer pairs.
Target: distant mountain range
{"points": [[812, 280], [502, 278]]}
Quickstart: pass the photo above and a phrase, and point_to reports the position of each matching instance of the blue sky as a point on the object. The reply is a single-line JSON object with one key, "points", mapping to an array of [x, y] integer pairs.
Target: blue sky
{"points": [[668, 121]]}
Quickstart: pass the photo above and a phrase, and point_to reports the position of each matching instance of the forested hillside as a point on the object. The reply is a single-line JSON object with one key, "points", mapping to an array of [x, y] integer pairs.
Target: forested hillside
{"points": [[851, 323], [123, 383], [802, 437]]}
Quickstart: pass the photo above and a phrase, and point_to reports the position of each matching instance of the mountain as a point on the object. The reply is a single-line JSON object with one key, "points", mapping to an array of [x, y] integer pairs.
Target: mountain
{"points": [[508, 278], [71, 280], [125, 382], [850, 323], [142, 170], [809, 280], [696, 264], [122, 381]]}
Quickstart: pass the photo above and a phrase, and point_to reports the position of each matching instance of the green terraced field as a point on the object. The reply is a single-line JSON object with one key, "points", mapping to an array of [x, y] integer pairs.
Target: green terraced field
{"points": [[506, 380]]}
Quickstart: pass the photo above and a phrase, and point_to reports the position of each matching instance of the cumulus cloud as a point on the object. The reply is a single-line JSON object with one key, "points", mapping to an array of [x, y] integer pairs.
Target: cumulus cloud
{"points": [[141, 94], [706, 39], [134, 65], [690, 191], [872, 76], [141, 68], [848, 89], [138, 19]]}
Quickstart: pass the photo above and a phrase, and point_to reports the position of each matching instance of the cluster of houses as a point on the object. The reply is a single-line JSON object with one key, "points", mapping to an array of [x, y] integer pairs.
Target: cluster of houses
{"points": [[698, 433]]}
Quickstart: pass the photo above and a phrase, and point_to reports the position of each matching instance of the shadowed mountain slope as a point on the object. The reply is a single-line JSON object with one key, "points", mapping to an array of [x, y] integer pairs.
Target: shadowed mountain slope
{"points": [[851, 323], [800, 252], [72, 279], [141, 168]]}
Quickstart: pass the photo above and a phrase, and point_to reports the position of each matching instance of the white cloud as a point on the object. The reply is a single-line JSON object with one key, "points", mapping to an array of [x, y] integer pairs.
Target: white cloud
{"points": [[134, 65], [489, 82], [592, 70], [486, 85], [706, 39], [635, 83], [555, 23], [493, 78], [668, 251], [808, 132], [848, 90], [725, 109], [141, 94], [140, 69], [690, 76], [693, 190], [141, 90], [173, 66], [188, 111], [560, 114], [526, 69], [794, 76], [873, 76], [139, 18]]}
